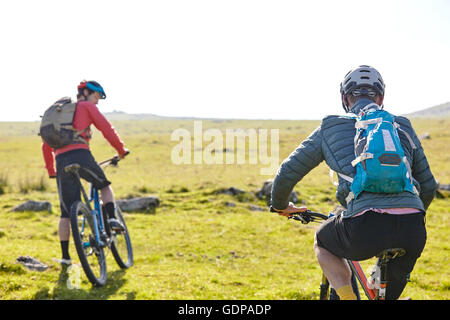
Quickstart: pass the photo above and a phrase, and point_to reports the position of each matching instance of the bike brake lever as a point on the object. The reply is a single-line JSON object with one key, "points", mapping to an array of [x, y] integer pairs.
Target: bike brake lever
{"points": [[114, 161], [300, 217], [296, 216]]}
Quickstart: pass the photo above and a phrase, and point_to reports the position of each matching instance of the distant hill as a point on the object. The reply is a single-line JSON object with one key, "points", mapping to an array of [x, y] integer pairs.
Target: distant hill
{"points": [[120, 115], [440, 111]]}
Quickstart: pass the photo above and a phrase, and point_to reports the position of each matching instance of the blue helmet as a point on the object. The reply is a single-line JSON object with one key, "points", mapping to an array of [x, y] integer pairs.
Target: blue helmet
{"points": [[93, 86]]}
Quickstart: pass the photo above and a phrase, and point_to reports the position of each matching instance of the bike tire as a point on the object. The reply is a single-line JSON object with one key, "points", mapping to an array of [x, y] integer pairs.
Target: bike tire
{"points": [[121, 247], [92, 256]]}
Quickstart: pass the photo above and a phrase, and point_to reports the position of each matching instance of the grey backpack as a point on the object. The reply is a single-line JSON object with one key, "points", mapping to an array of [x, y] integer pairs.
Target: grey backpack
{"points": [[57, 125]]}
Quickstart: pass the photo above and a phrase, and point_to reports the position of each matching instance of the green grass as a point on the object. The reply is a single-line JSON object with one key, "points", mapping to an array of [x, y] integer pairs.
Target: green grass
{"points": [[196, 245]]}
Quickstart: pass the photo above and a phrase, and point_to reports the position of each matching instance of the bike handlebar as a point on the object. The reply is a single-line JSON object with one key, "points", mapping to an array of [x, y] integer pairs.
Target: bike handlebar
{"points": [[73, 168], [305, 216], [113, 161], [308, 216]]}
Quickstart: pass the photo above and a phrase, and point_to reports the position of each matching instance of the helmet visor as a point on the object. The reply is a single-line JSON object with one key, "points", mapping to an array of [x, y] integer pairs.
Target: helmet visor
{"points": [[94, 86]]}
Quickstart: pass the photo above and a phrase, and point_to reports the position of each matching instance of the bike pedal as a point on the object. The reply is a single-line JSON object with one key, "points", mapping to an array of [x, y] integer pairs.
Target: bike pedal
{"points": [[104, 240]]}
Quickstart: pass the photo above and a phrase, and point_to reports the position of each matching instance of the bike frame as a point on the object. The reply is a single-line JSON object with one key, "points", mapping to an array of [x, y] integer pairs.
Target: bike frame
{"points": [[94, 197], [372, 294], [362, 279], [96, 212]]}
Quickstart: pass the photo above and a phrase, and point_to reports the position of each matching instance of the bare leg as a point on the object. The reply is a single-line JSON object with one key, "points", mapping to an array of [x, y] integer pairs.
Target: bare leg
{"points": [[64, 229], [107, 195], [64, 236], [335, 269]]}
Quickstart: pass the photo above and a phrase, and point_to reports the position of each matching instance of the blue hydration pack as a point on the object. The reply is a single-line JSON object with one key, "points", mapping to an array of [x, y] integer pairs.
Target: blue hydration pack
{"points": [[381, 164]]}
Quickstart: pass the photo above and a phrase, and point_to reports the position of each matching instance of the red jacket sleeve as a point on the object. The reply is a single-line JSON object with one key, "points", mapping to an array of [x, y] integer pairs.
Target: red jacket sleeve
{"points": [[49, 158], [105, 127]]}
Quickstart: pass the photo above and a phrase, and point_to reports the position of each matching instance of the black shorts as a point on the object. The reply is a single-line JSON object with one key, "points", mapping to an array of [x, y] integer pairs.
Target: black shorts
{"points": [[68, 188], [363, 237]]}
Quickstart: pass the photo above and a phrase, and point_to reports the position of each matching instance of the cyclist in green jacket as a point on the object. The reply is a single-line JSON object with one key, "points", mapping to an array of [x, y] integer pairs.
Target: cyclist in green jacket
{"points": [[372, 222]]}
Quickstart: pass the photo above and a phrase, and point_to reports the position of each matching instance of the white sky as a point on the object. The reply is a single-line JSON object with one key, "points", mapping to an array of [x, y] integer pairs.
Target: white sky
{"points": [[228, 59]]}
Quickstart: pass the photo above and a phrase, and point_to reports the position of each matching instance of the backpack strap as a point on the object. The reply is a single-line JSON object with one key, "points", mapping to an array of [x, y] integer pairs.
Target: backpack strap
{"points": [[343, 176], [77, 136], [409, 174], [362, 157], [411, 142], [363, 124], [335, 183], [350, 195], [372, 105]]}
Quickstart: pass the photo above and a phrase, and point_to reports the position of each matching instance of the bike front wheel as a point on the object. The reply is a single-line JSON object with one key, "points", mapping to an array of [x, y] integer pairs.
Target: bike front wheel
{"points": [[90, 252], [121, 247]]}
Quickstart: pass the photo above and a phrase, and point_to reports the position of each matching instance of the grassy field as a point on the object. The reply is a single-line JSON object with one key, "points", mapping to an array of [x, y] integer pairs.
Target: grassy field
{"points": [[199, 244]]}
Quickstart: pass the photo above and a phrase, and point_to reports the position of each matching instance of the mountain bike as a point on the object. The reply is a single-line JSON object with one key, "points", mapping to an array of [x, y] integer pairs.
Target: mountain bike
{"points": [[375, 286], [92, 233]]}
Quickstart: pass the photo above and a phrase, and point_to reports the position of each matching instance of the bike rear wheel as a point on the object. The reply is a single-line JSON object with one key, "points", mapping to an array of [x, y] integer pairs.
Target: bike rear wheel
{"points": [[90, 253], [121, 247]]}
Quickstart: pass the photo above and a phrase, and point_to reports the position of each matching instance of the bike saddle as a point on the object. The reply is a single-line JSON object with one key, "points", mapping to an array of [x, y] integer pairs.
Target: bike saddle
{"points": [[72, 167], [391, 253]]}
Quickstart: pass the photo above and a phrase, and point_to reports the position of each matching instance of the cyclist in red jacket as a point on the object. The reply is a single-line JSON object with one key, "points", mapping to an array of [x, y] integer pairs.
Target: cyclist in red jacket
{"points": [[86, 114]]}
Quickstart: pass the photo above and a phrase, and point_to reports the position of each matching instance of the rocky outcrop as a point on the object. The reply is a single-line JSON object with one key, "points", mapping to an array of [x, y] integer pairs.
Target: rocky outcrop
{"points": [[31, 263], [265, 193], [31, 205], [147, 204]]}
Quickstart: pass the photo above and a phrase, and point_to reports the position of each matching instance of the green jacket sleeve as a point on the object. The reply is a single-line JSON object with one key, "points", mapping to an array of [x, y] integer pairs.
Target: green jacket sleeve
{"points": [[299, 163], [422, 174]]}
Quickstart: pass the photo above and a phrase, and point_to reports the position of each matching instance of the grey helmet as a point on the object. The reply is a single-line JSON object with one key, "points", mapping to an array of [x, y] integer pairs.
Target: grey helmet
{"points": [[363, 76]]}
